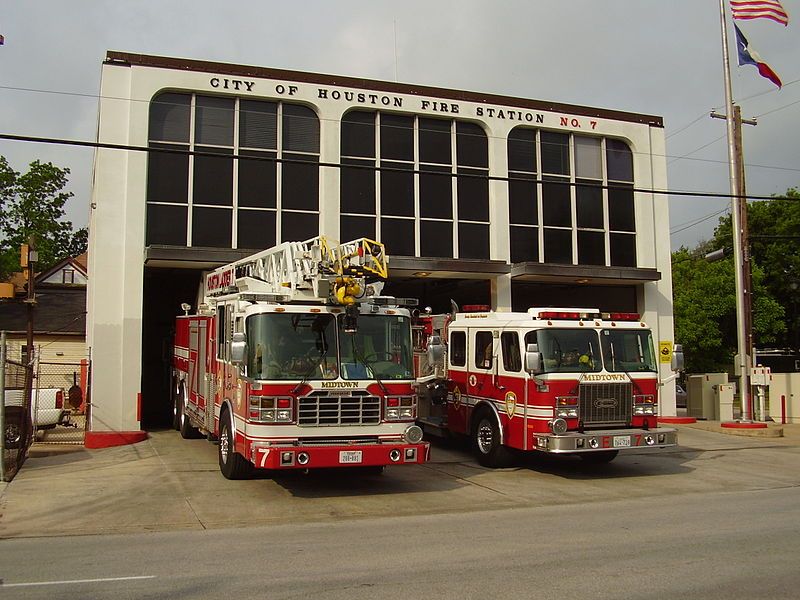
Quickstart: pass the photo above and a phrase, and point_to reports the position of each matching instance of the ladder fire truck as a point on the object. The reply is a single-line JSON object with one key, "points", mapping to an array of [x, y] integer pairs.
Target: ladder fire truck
{"points": [[552, 380], [293, 361]]}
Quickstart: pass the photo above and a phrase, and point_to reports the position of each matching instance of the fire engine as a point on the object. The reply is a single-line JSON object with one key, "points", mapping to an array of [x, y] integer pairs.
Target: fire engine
{"points": [[552, 380], [294, 361]]}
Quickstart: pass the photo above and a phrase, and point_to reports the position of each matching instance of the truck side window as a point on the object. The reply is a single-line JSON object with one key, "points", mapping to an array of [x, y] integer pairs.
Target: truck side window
{"points": [[512, 362], [221, 331], [458, 348], [484, 349]]}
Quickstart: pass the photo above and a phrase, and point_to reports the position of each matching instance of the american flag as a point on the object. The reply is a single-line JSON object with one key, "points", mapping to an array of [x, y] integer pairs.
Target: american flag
{"points": [[759, 9]]}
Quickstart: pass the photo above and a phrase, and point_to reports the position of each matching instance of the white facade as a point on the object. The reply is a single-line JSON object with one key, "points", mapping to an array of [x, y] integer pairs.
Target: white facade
{"points": [[118, 220]]}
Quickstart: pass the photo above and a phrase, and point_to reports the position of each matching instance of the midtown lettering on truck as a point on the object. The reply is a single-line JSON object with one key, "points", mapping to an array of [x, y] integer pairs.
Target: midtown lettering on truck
{"points": [[553, 380], [293, 361]]}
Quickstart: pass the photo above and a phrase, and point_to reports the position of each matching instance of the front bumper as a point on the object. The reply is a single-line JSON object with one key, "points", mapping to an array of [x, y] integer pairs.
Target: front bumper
{"points": [[604, 440], [290, 456]]}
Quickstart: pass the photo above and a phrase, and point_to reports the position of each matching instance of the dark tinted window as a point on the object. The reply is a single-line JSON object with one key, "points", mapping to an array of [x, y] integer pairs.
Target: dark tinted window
{"points": [[522, 199], [589, 206], [256, 229], [436, 238], [397, 189], [397, 137], [214, 121], [169, 117], [458, 348], [524, 244], [168, 174], [213, 177], [357, 186], [211, 227], [473, 240], [300, 188], [556, 205], [257, 179], [620, 209], [522, 150], [473, 195], [300, 129], [166, 225], [435, 192], [619, 160], [591, 248], [358, 134], [398, 235], [555, 153], [623, 250], [434, 141], [258, 124], [472, 147], [351, 228], [299, 226], [512, 361], [558, 246]]}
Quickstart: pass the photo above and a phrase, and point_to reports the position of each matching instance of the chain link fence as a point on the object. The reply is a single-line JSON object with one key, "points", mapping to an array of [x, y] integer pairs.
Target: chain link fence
{"points": [[17, 423], [45, 403]]}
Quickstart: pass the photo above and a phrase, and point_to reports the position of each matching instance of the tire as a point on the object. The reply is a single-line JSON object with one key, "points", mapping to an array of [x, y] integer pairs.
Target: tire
{"points": [[18, 428], [232, 465], [176, 408], [486, 441], [184, 425], [599, 458]]}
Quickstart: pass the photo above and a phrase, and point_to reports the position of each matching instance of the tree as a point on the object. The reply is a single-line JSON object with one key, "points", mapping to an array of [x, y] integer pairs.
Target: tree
{"points": [[32, 204], [704, 292]]}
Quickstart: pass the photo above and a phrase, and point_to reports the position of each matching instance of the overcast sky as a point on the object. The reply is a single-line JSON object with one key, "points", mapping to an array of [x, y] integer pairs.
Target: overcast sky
{"points": [[660, 57]]}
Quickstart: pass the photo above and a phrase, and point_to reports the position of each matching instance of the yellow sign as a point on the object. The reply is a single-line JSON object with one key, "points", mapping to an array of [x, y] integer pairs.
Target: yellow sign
{"points": [[665, 352]]}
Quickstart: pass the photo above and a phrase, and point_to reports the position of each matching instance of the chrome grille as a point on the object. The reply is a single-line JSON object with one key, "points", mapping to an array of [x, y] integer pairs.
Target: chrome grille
{"points": [[319, 410], [606, 403]]}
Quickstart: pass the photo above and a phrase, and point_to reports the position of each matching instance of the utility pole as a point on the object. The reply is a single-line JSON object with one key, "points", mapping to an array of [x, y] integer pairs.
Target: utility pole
{"points": [[29, 256], [747, 279]]}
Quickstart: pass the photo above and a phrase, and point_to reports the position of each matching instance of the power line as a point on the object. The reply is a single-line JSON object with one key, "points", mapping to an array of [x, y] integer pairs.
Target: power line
{"points": [[274, 159]]}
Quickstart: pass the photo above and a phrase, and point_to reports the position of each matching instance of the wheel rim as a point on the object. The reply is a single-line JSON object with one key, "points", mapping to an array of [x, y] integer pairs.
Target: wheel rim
{"points": [[224, 445], [485, 436], [13, 434]]}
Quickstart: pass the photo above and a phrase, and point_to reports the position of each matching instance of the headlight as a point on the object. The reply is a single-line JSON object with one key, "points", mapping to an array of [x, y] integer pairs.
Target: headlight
{"points": [[413, 434], [558, 426]]}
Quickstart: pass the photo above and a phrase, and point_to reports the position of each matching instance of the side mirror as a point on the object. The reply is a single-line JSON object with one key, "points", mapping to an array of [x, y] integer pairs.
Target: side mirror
{"points": [[533, 359], [677, 358], [238, 348], [435, 351]]}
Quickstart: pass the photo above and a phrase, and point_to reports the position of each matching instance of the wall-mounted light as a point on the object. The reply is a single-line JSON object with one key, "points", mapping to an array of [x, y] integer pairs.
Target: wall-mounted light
{"points": [[581, 281], [421, 274]]}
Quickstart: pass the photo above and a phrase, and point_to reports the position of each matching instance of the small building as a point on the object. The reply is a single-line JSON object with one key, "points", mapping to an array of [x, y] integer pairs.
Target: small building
{"points": [[59, 321]]}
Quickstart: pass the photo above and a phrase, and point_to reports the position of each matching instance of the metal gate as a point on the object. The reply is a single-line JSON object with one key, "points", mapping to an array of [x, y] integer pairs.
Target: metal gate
{"points": [[60, 401]]}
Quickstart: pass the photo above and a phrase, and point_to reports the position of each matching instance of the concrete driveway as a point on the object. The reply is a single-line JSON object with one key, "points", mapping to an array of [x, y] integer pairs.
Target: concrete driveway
{"points": [[168, 483]]}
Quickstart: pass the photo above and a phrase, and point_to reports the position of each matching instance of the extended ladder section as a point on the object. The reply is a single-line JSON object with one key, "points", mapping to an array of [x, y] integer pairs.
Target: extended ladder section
{"points": [[316, 270]]}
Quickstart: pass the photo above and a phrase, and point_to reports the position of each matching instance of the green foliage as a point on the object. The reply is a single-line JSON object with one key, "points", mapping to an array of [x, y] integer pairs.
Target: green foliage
{"points": [[32, 204], [704, 292]]}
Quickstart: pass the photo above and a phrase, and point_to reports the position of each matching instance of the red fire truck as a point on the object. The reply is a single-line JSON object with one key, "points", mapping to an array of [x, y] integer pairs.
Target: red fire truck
{"points": [[554, 380], [293, 361]]}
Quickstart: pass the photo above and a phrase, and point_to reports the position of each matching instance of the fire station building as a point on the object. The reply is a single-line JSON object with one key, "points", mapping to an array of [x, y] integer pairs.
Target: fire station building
{"points": [[478, 198]]}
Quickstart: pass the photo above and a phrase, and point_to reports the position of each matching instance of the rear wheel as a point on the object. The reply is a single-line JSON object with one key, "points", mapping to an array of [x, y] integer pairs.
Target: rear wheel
{"points": [[232, 465], [184, 424], [176, 409], [599, 458], [486, 442]]}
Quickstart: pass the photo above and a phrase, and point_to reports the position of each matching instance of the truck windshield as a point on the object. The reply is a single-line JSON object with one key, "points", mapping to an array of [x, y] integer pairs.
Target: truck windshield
{"points": [[628, 350], [567, 350], [380, 348], [291, 346]]}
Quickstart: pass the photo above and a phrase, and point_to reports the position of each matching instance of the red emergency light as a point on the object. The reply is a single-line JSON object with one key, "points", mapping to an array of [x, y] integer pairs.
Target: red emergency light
{"points": [[569, 316], [624, 316], [468, 308]]}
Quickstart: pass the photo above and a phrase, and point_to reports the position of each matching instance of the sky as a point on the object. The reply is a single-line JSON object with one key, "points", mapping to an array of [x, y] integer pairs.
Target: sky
{"points": [[653, 57]]}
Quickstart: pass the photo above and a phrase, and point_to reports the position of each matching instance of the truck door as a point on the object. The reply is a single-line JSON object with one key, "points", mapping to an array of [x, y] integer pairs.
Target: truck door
{"points": [[511, 381], [480, 383], [458, 375]]}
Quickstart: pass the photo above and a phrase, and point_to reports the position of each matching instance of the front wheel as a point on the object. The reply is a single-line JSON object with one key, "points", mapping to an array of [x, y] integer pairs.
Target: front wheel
{"points": [[232, 465], [599, 458], [486, 442]]}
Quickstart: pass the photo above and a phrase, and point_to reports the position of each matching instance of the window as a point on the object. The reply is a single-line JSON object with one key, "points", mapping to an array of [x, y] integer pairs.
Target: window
{"points": [[222, 342], [571, 196], [484, 350], [418, 184], [200, 194], [458, 348], [68, 276], [512, 361]]}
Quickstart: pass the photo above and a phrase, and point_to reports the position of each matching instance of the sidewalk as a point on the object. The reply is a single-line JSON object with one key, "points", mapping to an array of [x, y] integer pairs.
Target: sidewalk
{"points": [[788, 433]]}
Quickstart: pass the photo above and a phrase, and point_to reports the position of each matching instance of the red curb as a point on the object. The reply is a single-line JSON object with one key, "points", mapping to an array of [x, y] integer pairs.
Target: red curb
{"points": [[738, 425], [677, 420], [107, 439]]}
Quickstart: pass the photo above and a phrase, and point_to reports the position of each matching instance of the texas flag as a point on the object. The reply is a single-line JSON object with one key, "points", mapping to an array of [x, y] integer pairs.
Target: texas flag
{"points": [[748, 56]]}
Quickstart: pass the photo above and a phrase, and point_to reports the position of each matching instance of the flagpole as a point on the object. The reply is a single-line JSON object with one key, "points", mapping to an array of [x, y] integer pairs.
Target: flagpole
{"points": [[736, 226]]}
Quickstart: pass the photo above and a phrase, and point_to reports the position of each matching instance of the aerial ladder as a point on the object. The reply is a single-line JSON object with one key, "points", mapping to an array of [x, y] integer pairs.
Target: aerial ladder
{"points": [[316, 270]]}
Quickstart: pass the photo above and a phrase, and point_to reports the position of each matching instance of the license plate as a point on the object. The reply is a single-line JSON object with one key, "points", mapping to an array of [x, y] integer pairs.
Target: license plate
{"points": [[349, 456], [622, 442]]}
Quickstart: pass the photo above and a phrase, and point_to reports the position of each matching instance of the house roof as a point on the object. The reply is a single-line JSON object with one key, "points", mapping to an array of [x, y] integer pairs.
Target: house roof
{"points": [[58, 310]]}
